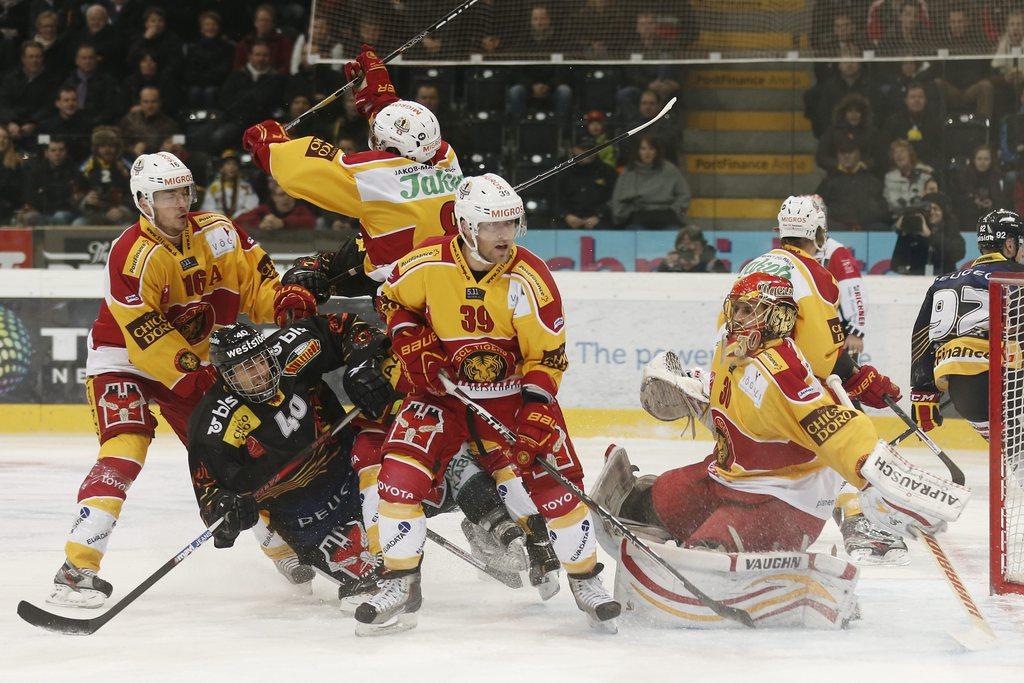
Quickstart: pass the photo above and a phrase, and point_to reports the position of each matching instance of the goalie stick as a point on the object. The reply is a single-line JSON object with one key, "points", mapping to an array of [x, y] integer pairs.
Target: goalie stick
{"points": [[719, 608], [412, 42], [980, 635], [69, 625]]}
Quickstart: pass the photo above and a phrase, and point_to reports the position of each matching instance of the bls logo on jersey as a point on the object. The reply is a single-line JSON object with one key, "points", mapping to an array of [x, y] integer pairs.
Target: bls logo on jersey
{"points": [[122, 403], [345, 551]]}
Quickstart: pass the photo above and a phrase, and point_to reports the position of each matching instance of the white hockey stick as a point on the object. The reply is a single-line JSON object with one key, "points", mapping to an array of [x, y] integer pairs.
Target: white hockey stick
{"points": [[980, 636]]}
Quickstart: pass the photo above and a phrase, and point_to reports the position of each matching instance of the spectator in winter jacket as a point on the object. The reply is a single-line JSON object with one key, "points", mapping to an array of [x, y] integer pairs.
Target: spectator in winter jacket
{"points": [[105, 176], [853, 194], [927, 236], [919, 124], [849, 77], [583, 192], [229, 193], [965, 83], [10, 177], [207, 62], [651, 194], [264, 25], [26, 93], [110, 46], [904, 184], [980, 188], [158, 41], [596, 127], [99, 94], [851, 120], [282, 212], [68, 122], [50, 187]]}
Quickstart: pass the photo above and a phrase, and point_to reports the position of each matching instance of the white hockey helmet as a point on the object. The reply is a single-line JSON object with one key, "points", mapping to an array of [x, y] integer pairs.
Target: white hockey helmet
{"points": [[152, 173], [487, 199], [804, 216], [408, 129]]}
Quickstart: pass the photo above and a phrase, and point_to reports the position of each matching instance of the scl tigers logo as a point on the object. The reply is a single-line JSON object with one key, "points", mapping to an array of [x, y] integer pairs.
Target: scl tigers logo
{"points": [[195, 322], [483, 366]]}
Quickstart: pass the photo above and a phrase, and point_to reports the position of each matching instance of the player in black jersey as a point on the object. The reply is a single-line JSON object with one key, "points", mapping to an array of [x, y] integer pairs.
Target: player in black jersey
{"points": [[270, 404], [949, 348]]}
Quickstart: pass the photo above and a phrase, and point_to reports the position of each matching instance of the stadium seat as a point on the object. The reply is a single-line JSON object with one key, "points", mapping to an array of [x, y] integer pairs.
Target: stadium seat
{"points": [[485, 90], [540, 133], [485, 132], [963, 134], [596, 89], [478, 164]]}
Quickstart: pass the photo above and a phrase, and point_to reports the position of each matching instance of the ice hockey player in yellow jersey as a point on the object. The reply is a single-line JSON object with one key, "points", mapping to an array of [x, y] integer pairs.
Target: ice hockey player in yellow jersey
{"points": [[171, 279]]}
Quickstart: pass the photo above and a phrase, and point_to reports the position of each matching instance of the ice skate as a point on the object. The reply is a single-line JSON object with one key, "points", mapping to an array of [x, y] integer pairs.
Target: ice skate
{"points": [[354, 593], [392, 609], [73, 587], [506, 560], [292, 569], [544, 563], [867, 544], [592, 598]]}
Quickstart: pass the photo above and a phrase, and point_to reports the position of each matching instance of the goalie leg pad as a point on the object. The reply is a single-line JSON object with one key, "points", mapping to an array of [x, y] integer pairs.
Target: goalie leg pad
{"points": [[804, 590]]}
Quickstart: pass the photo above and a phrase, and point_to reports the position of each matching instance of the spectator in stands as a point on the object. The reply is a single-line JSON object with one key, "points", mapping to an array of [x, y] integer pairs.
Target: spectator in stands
{"points": [[1011, 68], [10, 178], [50, 187], [651, 193], [145, 127], [692, 254], [428, 95], [596, 128], [540, 88], [665, 130], [964, 83], [820, 101], [918, 124], [851, 120], [110, 47], [264, 27], [127, 16], [316, 80], [927, 236], [980, 187], [323, 126], [55, 48], [229, 193], [322, 46], [249, 95], [844, 39], [904, 184], [487, 26], [67, 122], [105, 178], [99, 95], [150, 73], [583, 191], [899, 28], [601, 29], [1011, 135], [156, 40], [207, 62], [26, 93], [282, 212], [853, 194]]}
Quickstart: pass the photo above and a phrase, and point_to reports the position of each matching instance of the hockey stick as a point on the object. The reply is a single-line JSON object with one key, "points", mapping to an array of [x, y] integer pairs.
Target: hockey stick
{"points": [[981, 634], [572, 161], [462, 554], [72, 626], [955, 473], [447, 17], [719, 608]]}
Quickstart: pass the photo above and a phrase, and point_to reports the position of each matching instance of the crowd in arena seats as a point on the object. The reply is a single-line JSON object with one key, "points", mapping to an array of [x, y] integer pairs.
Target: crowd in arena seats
{"points": [[940, 143]]}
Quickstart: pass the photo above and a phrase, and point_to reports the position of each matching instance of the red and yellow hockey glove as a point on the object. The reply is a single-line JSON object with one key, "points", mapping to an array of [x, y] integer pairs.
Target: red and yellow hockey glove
{"points": [[378, 91], [422, 358], [871, 387], [540, 429], [291, 303], [257, 140], [924, 409]]}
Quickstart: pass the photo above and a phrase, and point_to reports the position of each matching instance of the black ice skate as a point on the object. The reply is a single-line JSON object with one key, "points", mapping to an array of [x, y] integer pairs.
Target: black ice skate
{"points": [[544, 563], [867, 544], [591, 597], [293, 570], [74, 587], [501, 549], [393, 607]]}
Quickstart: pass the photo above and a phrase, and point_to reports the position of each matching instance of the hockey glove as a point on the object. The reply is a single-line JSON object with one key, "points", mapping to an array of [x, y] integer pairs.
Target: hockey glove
{"points": [[310, 272], [871, 387], [377, 91], [291, 303], [924, 409], [368, 389], [257, 140], [197, 382], [540, 431], [239, 513], [422, 358]]}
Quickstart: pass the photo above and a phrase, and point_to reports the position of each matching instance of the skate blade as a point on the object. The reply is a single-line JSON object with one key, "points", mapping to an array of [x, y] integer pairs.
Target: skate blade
{"points": [[893, 558], [608, 626], [405, 621], [510, 579], [549, 586], [65, 596], [348, 604]]}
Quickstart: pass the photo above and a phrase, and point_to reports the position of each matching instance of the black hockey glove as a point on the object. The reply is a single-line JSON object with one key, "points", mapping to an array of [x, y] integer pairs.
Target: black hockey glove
{"points": [[349, 257], [310, 272], [368, 389], [239, 513]]}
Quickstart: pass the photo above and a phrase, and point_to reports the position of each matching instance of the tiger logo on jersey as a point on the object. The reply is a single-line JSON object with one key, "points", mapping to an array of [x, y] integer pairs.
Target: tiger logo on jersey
{"points": [[483, 366], [195, 322]]}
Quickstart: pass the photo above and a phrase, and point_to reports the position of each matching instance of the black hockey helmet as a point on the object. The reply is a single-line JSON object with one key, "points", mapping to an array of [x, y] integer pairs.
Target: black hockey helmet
{"points": [[999, 225], [246, 361]]}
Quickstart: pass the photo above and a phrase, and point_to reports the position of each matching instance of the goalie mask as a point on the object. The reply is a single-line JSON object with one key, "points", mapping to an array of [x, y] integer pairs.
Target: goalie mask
{"points": [[154, 173], [246, 361], [996, 227], [804, 216], [760, 308], [486, 203], [407, 129]]}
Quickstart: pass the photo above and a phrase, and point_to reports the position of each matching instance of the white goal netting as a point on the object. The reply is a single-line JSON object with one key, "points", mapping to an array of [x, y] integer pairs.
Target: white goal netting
{"points": [[665, 31], [1007, 345]]}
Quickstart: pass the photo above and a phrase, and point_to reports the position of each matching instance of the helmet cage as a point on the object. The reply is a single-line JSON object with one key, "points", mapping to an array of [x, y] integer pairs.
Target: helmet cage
{"points": [[757, 316], [255, 377]]}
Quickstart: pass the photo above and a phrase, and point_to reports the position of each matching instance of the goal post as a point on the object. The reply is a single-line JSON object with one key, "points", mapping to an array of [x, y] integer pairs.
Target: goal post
{"points": [[1006, 433]]}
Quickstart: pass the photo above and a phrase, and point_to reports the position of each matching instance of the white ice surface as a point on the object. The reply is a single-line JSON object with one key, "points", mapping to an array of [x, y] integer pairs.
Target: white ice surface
{"points": [[227, 615]]}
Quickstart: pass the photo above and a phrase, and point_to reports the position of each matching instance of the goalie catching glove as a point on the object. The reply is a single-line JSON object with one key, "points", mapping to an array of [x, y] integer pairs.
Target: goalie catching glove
{"points": [[902, 497], [668, 392]]}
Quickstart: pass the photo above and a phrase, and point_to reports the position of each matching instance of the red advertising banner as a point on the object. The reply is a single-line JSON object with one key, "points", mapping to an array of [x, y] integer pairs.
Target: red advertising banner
{"points": [[15, 248]]}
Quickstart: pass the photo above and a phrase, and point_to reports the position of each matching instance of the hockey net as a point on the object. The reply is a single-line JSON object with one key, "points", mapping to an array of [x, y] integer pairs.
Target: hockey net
{"points": [[668, 31], [1006, 422]]}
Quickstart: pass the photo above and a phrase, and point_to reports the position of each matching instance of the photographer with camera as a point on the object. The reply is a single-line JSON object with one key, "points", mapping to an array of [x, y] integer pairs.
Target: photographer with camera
{"points": [[928, 242]]}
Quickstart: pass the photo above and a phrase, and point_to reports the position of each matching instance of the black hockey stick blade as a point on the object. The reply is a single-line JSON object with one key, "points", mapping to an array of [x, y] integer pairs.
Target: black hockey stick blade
{"points": [[57, 623], [720, 608]]}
